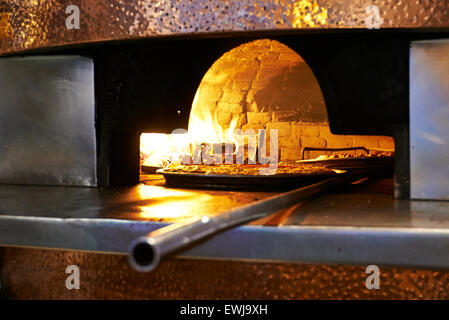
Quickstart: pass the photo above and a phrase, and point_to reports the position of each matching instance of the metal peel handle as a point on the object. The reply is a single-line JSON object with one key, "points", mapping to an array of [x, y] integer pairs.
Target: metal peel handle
{"points": [[146, 252]]}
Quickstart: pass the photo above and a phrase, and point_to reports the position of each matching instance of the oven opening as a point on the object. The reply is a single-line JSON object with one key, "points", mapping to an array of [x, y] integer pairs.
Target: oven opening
{"points": [[259, 111]]}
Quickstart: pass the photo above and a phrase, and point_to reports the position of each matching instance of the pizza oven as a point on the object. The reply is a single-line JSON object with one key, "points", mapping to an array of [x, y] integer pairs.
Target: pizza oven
{"points": [[229, 142]]}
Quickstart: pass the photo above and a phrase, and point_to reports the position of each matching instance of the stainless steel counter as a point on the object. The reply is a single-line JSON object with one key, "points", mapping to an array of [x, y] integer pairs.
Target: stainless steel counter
{"points": [[362, 224]]}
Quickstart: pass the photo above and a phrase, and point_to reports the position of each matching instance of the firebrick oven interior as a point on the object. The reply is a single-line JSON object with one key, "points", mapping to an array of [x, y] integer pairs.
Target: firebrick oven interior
{"points": [[259, 85], [217, 150]]}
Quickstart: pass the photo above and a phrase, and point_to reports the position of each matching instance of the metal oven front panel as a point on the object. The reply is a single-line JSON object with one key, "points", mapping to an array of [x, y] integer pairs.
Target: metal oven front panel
{"points": [[429, 120], [47, 129]]}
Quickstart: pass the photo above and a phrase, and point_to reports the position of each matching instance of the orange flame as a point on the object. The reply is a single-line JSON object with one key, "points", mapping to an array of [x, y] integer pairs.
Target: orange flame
{"points": [[159, 150]]}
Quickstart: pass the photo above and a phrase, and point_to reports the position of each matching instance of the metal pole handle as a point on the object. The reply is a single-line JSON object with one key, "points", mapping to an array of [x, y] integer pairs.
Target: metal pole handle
{"points": [[146, 252]]}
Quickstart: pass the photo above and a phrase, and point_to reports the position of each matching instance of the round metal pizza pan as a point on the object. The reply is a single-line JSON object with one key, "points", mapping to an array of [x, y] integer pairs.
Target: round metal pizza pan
{"points": [[276, 181], [241, 182]]}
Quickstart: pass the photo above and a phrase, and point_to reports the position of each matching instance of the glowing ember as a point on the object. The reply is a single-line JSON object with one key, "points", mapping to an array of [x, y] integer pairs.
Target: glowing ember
{"points": [[159, 149]]}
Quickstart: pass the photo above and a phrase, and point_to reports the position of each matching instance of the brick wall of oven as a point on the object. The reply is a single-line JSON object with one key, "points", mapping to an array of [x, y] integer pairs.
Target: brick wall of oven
{"points": [[266, 85]]}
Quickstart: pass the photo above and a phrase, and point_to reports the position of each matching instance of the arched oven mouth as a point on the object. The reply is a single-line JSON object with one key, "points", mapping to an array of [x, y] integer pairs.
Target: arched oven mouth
{"points": [[258, 120]]}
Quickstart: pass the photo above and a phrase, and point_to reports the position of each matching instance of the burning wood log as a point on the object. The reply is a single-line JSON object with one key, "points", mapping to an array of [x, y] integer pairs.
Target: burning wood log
{"points": [[220, 153]]}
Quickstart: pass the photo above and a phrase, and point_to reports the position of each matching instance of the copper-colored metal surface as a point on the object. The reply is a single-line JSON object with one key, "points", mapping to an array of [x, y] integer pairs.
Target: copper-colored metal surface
{"points": [[28, 24], [40, 274]]}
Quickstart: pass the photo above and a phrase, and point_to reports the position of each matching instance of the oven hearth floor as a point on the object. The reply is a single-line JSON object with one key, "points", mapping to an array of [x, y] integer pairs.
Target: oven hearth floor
{"points": [[362, 224]]}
